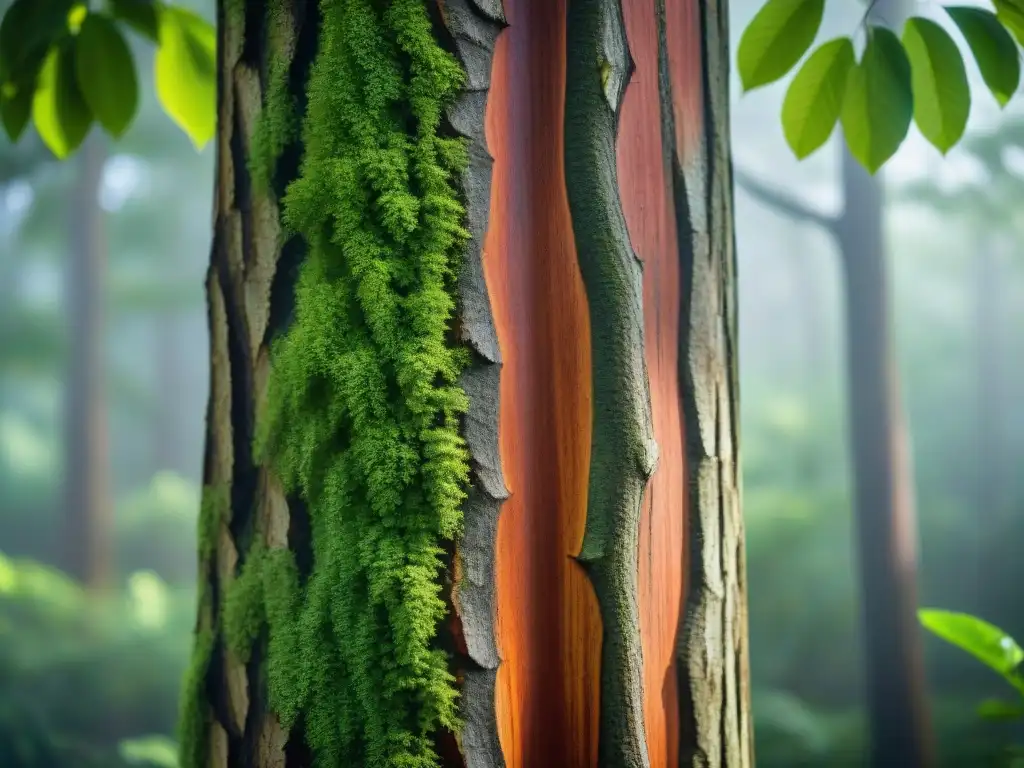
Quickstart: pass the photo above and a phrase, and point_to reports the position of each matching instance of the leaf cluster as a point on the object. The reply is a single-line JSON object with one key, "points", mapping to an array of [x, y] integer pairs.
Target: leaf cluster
{"points": [[65, 66], [918, 76]]}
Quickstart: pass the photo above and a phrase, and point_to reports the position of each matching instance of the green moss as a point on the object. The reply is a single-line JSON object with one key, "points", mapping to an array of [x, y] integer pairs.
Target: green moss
{"points": [[194, 721], [278, 124], [244, 613], [212, 511], [363, 411]]}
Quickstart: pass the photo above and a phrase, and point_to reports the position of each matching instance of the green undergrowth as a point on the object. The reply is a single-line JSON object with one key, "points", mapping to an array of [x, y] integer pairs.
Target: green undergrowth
{"points": [[362, 416]]}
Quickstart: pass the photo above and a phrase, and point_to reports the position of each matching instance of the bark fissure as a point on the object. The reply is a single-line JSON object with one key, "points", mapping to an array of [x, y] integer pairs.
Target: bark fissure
{"points": [[714, 700], [623, 451]]}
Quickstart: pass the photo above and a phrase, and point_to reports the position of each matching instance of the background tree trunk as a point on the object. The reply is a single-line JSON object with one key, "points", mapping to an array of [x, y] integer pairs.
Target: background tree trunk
{"points": [[897, 701], [168, 454], [87, 531], [596, 595]]}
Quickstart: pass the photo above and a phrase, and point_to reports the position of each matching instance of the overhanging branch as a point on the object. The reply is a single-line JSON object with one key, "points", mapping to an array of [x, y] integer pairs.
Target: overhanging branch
{"points": [[782, 202]]}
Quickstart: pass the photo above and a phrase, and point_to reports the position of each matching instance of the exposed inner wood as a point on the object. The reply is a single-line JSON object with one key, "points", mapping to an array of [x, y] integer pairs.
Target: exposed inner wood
{"points": [[646, 191], [549, 628]]}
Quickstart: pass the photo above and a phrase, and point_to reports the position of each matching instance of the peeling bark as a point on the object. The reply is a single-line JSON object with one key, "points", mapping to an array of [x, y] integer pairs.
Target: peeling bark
{"points": [[474, 28]]}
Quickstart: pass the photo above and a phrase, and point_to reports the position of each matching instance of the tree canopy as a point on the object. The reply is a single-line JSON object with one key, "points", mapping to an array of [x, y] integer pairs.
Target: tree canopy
{"points": [[919, 75], [65, 65]]}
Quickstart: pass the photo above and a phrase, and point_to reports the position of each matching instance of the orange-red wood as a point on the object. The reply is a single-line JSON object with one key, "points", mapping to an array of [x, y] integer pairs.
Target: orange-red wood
{"points": [[685, 59], [645, 188], [549, 627]]}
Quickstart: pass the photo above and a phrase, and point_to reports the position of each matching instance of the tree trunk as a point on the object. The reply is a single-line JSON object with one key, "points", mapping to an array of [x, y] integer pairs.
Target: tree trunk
{"points": [[898, 717], [483, 508], [86, 533]]}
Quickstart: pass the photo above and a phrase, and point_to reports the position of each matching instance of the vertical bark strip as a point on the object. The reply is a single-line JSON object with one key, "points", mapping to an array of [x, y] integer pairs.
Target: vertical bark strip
{"points": [[549, 625], [474, 26], [623, 451], [646, 190], [227, 721], [713, 658]]}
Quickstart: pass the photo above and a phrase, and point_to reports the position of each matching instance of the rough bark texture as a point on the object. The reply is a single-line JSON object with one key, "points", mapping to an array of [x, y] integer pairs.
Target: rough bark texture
{"points": [[87, 532], [565, 607], [715, 707], [623, 452], [474, 26], [248, 287]]}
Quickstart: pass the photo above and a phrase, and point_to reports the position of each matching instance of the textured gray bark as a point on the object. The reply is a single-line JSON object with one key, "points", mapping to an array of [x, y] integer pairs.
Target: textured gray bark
{"points": [[244, 316], [715, 728], [474, 27], [623, 452]]}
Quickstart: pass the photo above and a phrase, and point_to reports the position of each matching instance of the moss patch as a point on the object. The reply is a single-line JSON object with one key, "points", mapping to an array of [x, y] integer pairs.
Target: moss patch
{"points": [[278, 123], [193, 723], [363, 410], [216, 503]]}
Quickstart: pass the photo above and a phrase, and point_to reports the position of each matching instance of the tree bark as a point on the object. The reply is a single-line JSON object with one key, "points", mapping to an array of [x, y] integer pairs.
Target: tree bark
{"points": [[595, 590], [86, 534]]}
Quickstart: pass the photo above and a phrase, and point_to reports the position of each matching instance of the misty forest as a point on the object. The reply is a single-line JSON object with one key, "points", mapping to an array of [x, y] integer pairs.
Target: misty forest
{"points": [[384, 383]]}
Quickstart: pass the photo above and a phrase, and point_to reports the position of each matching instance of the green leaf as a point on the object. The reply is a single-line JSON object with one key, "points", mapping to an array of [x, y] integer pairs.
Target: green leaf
{"points": [[59, 110], [987, 643], [879, 103], [16, 108], [778, 36], [185, 66], [996, 709], [1011, 15], [942, 96], [106, 73], [28, 30], [815, 97], [141, 15], [993, 49]]}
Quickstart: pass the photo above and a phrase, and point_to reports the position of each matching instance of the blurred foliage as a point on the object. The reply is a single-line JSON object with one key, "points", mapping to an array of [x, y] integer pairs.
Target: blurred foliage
{"points": [[156, 529], [82, 674]]}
